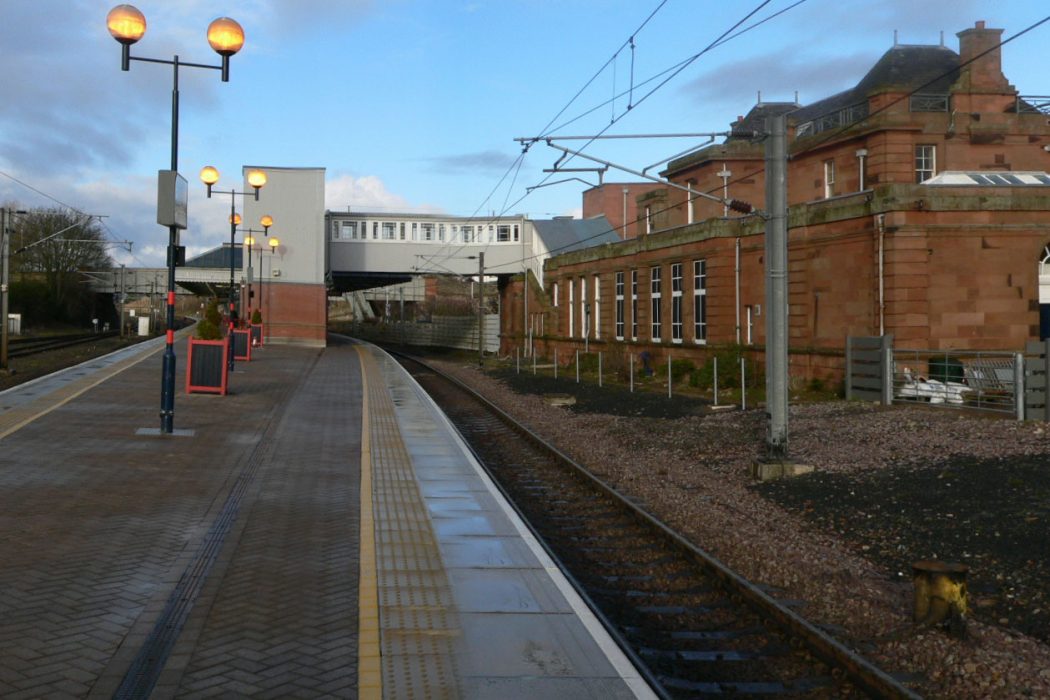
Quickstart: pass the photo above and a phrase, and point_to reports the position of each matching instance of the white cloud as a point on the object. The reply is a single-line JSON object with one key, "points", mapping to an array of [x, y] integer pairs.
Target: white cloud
{"points": [[368, 192]]}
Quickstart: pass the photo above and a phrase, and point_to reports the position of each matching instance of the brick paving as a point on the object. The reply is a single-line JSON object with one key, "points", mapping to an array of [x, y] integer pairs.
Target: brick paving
{"points": [[99, 523]]}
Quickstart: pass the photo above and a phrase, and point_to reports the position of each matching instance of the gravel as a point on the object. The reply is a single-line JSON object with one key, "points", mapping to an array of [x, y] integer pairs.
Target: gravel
{"points": [[890, 487]]}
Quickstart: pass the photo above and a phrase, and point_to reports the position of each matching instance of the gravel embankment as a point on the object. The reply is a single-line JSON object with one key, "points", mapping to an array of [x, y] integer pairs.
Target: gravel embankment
{"points": [[891, 487]]}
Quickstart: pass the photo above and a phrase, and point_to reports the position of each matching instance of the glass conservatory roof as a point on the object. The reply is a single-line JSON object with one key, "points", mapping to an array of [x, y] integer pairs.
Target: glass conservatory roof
{"points": [[990, 178]]}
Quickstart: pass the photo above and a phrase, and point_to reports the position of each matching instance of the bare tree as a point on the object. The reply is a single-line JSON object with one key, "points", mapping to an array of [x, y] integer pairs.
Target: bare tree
{"points": [[53, 247]]}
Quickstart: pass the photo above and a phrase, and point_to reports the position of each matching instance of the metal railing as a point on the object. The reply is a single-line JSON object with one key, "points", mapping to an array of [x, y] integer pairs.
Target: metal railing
{"points": [[1032, 104], [982, 380]]}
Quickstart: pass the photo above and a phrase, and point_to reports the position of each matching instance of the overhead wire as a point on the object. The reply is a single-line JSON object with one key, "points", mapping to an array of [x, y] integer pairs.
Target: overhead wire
{"points": [[761, 170], [519, 161], [674, 71]]}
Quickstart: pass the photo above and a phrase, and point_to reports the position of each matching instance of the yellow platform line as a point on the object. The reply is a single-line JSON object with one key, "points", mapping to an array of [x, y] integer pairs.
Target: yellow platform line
{"points": [[369, 655], [18, 418]]}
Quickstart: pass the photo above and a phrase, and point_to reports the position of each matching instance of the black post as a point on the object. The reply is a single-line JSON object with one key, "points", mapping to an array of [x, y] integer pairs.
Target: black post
{"points": [[481, 309], [232, 303], [167, 389]]}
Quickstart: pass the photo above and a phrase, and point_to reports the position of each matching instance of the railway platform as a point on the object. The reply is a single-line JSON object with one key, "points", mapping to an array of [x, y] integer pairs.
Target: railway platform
{"points": [[321, 531]]}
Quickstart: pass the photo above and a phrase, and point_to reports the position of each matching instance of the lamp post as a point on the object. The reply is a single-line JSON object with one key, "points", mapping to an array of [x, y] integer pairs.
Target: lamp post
{"points": [[127, 25], [5, 283], [274, 242], [257, 179], [267, 222]]}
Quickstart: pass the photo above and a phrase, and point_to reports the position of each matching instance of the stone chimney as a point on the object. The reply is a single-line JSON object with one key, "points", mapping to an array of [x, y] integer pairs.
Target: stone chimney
{"points": [[984, 74]]}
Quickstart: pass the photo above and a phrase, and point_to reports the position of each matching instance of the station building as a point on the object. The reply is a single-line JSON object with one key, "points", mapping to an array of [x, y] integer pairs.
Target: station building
{"points": [[919, 206]]}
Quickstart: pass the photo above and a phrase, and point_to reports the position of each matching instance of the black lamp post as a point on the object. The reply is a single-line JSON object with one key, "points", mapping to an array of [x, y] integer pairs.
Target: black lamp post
{"points": [[257, 179], [226, 37]]}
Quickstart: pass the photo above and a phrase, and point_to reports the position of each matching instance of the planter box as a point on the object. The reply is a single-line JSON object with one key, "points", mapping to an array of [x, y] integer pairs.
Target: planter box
{"points": [[242, 345], [257, 334], [206, 366]]}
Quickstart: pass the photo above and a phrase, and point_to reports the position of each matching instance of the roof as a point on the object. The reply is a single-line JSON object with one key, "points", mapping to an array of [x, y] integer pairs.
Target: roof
{"points": [[990, 178], [928, 69], [217, 258], [564, 235]]}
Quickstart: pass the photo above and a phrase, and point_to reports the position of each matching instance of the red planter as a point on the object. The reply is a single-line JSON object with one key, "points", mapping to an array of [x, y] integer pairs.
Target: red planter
{"points": [[242, 344], [207, 366]]}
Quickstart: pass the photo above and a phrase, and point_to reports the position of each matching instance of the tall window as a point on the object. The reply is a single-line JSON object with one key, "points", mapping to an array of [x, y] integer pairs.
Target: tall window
{"points": [[634, 304], [554, 294], [676, 303], [516, 232], [441, 232], [655, 284], [648, 220], [402, 230], [415, 230], [375, 230], [619, 306], [829, 178], [925, 162], [700, 301], [571, 306], [428, 231], [468, 234], [597, 307], [583, 307]]}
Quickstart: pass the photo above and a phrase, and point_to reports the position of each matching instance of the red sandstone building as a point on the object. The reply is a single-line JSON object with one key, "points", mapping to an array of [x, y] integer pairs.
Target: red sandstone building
{"points": [[919, 207]]}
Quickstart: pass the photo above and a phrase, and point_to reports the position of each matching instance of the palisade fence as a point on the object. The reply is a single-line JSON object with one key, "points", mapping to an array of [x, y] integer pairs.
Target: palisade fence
{"points": [[459, 332], [1002, 382]]}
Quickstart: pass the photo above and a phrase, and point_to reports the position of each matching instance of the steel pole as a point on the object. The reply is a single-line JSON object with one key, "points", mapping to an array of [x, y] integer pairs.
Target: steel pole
{"points": [[481, 309], [167, 388], [4, 284], [776, 287], [232, 303]]}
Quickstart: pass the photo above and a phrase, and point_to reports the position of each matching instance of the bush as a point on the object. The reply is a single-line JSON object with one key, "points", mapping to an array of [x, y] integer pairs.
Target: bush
{"points": [[256, 316], [209, 327], [206, 330], [679, 369]]}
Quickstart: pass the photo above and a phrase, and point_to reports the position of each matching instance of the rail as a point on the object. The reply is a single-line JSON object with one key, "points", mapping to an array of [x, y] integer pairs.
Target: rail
{"points": [[23, 347], [859, 670]]}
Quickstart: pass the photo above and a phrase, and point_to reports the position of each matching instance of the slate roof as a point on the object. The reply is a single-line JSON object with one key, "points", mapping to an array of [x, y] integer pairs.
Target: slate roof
{"points": [[901, 69], [564, 235]]}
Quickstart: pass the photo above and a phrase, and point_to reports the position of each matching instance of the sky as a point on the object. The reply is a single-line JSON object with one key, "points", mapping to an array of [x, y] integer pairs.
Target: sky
{"points": [[415, 105]]}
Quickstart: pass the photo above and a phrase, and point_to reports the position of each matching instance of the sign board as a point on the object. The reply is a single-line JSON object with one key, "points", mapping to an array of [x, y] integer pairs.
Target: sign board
{"points": [[173, 194]]}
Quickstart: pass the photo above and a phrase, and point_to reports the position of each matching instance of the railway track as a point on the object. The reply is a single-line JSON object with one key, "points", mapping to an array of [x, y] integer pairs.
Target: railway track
{"points": [[22, 347], [694, 626]]}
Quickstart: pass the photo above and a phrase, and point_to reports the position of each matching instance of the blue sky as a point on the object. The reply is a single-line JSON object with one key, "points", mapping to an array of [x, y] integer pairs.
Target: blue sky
{"points": [[414, 104]]}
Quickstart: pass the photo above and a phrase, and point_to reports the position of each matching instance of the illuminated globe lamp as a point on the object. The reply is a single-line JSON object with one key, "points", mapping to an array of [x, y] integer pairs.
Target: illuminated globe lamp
{"points": [[127, 25], [267, 222], [209, 176], [235, 219], [226, 37], [256, 178], [274, 242]]}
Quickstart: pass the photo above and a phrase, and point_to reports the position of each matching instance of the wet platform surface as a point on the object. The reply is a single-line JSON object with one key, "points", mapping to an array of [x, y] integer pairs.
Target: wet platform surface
{"points": [[239, 558]]}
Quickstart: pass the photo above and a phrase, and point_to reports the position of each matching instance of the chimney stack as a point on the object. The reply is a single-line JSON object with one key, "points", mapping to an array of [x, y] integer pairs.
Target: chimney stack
{"points": [[983, 74]]}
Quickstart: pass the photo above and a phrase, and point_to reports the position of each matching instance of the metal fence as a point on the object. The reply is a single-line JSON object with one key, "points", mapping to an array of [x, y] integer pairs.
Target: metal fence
{"points": [[1000, 382]]}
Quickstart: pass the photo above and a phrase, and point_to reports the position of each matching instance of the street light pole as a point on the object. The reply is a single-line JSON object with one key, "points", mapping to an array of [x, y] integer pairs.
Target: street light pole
{"points": [[127, 25], [257, 179]]}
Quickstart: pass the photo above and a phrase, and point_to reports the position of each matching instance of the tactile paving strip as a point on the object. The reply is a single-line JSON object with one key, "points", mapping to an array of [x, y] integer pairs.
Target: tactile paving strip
{"points": [[418, 623]]}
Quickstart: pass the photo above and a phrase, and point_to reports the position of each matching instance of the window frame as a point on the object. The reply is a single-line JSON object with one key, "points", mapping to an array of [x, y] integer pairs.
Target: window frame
{"points": [[655, 299], [619, 303], [925, 154], [700, 301], [677, 327]]}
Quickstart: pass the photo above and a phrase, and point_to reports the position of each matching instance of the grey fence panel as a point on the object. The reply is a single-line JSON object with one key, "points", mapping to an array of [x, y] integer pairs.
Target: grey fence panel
{"points": [[866, 367], [1037, 372]]}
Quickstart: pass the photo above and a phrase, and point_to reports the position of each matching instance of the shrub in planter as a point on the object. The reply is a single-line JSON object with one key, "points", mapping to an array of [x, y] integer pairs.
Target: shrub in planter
{"points": [[256, 328], [206, 358]]}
